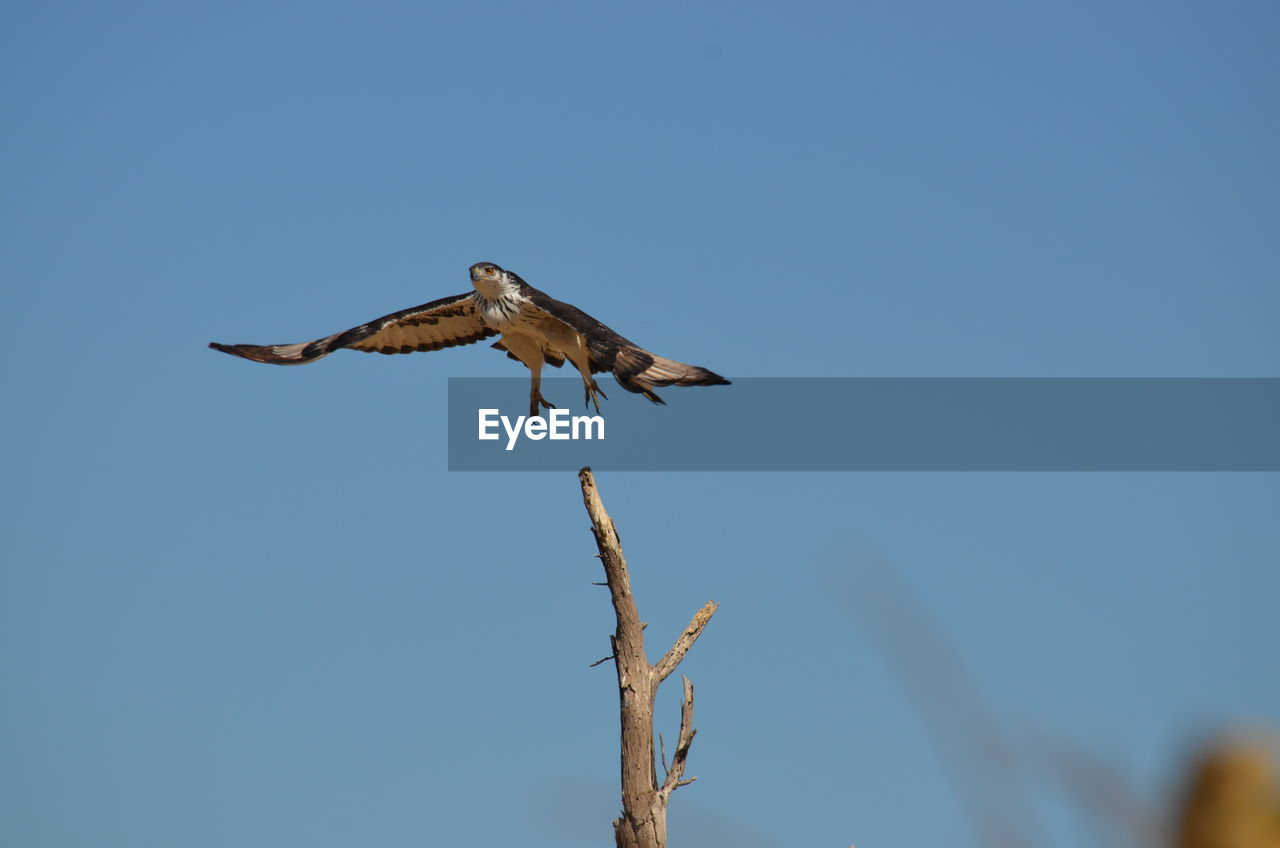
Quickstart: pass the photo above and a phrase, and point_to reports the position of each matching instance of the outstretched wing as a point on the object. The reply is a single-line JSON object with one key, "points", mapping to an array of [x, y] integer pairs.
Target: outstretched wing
{"points": [[635, 369], [447, 322]]}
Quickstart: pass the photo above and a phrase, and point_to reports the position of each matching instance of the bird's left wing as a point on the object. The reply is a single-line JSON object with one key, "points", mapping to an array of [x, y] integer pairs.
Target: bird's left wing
{"points": [[447, 322]]}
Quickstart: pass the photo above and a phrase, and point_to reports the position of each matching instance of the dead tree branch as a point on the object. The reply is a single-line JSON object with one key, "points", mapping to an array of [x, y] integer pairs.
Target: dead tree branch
{"points": [[643, 823], [672, 658], [675, 773]]}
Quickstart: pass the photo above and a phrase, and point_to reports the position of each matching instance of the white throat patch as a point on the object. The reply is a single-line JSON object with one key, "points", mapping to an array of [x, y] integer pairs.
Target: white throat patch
{"points": [[491, 289]]}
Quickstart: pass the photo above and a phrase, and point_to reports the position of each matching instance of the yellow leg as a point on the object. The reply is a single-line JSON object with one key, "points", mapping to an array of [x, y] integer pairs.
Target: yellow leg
{"points": [[582, 361], [529, 351]]}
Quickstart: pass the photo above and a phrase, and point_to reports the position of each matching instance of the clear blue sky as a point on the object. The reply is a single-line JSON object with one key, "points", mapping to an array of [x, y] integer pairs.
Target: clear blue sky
{"points": [[247, 606]]}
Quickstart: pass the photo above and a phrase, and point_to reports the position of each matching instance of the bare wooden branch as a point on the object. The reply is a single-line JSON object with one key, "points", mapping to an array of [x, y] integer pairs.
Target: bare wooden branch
{"points": [[675, 774], [643, 823], [663, 668]]}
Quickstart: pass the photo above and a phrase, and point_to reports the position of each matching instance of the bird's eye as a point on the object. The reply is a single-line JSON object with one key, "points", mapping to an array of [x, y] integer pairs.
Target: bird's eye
{"points": [[489, 270]]}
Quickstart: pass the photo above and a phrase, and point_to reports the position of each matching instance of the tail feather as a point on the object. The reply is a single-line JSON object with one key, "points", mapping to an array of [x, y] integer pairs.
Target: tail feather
{"points": [[640, 371]]}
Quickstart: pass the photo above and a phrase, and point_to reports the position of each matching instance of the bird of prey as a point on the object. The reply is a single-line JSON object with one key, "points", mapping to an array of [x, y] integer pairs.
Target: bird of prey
{"points": [[534, 329]]}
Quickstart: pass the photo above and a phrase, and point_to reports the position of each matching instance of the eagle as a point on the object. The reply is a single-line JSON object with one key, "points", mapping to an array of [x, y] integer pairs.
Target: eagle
{"points": [[535, 329]]}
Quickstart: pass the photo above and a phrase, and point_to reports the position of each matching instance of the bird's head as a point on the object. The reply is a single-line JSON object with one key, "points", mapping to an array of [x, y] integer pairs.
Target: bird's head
{"points": [[486, 271], [489, 279]]}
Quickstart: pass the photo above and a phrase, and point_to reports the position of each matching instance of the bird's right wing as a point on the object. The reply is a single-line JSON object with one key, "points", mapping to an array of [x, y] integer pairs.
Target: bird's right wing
{"points": [[636, 369], [447, 322]]}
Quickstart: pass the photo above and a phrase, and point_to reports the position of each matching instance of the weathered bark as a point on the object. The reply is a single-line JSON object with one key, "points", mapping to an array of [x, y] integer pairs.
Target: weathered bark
{"points": [[643, 823]]}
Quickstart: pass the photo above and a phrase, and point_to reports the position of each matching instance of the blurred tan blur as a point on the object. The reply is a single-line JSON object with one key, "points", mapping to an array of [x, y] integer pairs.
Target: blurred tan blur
{"points": [[1232, 798]]}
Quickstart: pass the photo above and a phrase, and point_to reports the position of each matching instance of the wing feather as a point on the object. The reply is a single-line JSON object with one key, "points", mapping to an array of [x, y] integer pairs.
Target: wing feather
{"points": [[447, 322], [635, 369]]}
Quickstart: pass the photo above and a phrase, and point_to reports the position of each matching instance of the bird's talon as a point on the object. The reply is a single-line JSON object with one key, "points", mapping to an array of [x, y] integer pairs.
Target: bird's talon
{"points": [[538, 400], [592, 395]]}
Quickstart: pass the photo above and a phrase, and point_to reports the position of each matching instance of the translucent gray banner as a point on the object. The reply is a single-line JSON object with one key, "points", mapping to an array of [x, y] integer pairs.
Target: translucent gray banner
{"points": [[886, 424]]}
